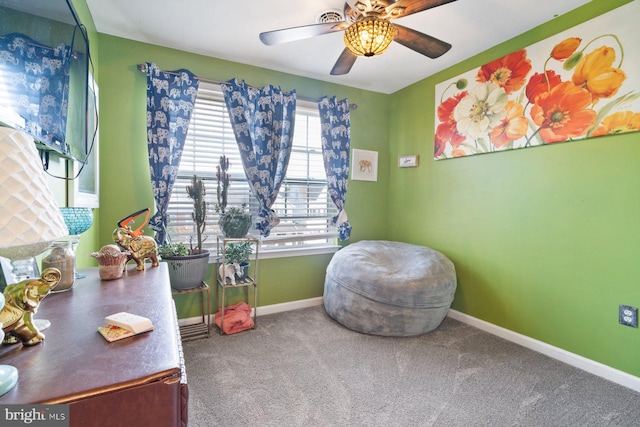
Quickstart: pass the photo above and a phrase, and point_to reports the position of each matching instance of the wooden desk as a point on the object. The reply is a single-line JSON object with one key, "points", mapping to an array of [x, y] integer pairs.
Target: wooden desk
{"points": [[135, 381]]}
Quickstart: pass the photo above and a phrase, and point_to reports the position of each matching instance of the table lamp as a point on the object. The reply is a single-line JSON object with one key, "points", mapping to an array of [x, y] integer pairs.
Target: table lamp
{"points": [[30, 219]]}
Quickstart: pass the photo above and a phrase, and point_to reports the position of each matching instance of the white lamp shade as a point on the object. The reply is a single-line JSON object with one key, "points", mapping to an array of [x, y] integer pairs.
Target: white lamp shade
{"points": [[30, 218]]}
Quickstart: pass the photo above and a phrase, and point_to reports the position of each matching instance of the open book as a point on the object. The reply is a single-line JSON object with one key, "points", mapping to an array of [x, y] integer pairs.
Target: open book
{"points": [[123, 325]]}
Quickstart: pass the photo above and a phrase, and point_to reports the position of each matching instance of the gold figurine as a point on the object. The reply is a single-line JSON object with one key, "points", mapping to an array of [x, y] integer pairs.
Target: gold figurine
{"points": [[139, 247], [22, 300]]}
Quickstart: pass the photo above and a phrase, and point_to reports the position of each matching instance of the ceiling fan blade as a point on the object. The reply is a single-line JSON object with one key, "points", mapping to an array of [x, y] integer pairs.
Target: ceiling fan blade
{"points": [[299, 33], [421, 43], [415, 6], [344, 63]]}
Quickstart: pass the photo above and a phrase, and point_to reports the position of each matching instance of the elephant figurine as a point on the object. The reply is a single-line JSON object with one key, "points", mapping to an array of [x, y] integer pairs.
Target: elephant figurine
{"points": [[140, 247], [229, 271], [21, 303]]}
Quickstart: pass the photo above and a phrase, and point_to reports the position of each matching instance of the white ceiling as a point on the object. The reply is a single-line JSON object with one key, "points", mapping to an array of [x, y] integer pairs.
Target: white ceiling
{"points": [[229, 29]]}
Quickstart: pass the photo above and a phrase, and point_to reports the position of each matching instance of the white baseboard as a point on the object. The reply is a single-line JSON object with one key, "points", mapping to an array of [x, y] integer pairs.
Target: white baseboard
{"points": [[593, 367], [263, 310], [288, 306]]}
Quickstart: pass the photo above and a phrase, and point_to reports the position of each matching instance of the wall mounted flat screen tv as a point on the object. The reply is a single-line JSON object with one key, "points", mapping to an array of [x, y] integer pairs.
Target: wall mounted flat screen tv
{"points": [[44, 68]]}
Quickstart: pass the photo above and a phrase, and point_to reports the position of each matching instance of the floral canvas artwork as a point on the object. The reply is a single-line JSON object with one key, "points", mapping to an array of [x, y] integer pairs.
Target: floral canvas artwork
{"points": [[581, 83]]}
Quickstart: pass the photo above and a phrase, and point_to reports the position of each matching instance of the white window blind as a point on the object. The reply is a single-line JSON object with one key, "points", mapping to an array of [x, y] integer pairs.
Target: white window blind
{"points": [[303, 204]]}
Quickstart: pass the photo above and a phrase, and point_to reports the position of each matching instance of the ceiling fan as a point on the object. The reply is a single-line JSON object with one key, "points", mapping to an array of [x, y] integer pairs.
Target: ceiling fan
{"points": [[368, 31]]}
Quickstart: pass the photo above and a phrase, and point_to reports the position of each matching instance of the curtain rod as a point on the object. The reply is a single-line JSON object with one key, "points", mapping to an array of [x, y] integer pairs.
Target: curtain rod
{"points": [[143, 68], [74, 53]]}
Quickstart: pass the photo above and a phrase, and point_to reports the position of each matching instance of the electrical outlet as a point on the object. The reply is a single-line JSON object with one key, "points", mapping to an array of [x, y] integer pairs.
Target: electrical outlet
{"points": [[628, 315]]}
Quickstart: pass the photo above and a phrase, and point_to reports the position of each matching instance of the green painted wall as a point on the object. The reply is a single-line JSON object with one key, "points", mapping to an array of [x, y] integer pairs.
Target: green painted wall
{"points": [[124, 170], [546, 241]]}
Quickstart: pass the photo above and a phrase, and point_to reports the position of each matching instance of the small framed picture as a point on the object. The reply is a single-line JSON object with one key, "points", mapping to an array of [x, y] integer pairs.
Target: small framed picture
{"points": [[364, 165], [408, 161]]}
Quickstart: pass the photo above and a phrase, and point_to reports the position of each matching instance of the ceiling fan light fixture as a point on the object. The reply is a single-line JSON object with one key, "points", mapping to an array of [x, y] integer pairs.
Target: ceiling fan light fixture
{"points": [[369, 36]]}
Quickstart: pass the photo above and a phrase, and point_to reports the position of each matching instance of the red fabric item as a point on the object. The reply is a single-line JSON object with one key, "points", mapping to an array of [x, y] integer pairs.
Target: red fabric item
{"points": [[236, 318]]}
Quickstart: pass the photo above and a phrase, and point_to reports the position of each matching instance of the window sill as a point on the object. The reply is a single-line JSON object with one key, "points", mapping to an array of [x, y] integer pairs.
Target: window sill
{"points": [[288, 253]]}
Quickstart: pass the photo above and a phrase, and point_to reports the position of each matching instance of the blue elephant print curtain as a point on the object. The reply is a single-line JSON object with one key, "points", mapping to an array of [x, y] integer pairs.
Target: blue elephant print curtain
{"points": [[170, 99], [335, 121], [36, 87], [263, 121]]}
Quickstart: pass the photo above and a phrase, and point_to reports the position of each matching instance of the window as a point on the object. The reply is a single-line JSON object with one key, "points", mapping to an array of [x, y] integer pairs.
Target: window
{"points": [[303, 204]]}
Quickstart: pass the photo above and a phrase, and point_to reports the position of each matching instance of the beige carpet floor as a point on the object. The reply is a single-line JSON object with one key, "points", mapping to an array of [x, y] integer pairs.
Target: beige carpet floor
{"points": [[301, 368]]}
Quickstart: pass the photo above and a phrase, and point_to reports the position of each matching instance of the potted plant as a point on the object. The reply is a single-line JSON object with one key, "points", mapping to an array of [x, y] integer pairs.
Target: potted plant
{"points": [[188, 265], [168, 250], [234, 222], [239, 253]]}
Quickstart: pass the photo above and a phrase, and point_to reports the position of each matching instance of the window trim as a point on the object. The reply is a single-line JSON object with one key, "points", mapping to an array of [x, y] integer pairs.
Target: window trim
{"points": [[297, 251], [266, 250]]}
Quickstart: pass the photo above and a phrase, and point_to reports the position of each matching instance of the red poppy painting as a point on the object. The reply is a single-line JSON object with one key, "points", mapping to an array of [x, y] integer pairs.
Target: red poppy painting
{"points": [[579, 84]]}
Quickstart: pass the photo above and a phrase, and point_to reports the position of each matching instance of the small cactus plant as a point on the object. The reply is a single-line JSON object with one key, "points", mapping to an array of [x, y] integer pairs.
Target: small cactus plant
{"points": [[196, 192], [234, 222], [223, 183]]}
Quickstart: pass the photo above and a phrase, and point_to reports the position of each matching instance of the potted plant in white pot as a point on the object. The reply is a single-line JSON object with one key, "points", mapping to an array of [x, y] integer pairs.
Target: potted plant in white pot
{"points": [[239, 253], [188, 265], [234, 222]]}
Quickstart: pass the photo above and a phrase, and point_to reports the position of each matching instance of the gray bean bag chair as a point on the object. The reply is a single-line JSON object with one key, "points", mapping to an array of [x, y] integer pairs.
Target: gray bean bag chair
{"points": [[389, 288]]}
